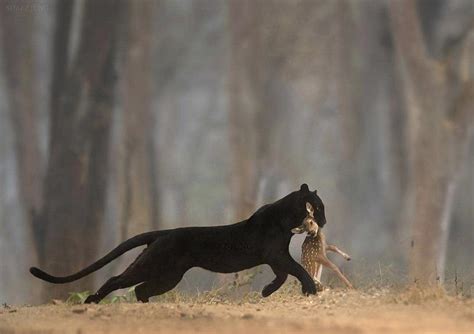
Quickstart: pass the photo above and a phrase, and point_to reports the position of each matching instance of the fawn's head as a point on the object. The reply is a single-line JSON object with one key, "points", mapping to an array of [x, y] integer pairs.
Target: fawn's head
{"points": [[309, 224]]}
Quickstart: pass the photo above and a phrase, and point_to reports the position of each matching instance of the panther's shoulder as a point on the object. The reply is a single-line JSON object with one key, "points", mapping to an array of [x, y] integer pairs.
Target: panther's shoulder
{"points": [[262, 209]]}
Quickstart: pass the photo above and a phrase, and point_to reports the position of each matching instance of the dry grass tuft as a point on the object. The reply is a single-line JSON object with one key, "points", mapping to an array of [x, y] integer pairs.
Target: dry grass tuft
{"points": [[416, 294]]}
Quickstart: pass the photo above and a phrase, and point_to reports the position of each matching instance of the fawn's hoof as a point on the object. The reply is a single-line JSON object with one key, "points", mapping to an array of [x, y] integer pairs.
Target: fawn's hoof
{"points": [[319, 286]]}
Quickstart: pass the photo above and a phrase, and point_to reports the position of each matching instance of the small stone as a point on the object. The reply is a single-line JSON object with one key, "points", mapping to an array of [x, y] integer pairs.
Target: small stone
{"points": [[247, 316], [79, 310]]}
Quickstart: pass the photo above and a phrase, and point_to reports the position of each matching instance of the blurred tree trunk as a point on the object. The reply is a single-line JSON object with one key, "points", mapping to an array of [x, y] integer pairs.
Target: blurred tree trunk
{"points": [[17, 33], [246, 90], [349, 118], [377, 125], [82, 101], [18, 52], [245, 104], [140, 193], [439, 96]]}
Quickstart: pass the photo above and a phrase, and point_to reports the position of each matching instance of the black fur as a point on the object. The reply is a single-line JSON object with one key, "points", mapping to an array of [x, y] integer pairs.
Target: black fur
{"points": [[261, 239]]}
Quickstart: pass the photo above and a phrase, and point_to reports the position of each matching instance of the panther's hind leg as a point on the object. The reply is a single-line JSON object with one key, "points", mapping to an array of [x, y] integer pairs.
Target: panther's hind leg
{"points": [[158, 285], [117, 282], [134, 274]]}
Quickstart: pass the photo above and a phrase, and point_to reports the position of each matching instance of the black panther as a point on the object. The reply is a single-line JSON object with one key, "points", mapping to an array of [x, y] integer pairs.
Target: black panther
{"points": [[261, 239]]}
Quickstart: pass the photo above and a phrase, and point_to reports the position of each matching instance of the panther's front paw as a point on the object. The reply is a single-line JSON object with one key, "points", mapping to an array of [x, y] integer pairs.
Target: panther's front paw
{"points": [[141, 295], [309, 289], [267, 291]]}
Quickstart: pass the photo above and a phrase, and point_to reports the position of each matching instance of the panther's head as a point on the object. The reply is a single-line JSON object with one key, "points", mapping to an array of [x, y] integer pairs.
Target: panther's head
{"points": [[309, 224], [313, 203]]}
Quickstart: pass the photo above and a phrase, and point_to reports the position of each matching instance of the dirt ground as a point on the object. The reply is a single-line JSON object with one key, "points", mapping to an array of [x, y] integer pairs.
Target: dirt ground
{"points": [[332, 311]]}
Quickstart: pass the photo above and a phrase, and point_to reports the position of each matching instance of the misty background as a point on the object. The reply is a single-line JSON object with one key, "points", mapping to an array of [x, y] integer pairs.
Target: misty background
{"points": [[118, 117]]}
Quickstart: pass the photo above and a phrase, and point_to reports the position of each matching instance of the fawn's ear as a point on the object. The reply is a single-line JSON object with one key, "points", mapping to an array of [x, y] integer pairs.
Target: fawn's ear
{"points": [[304, 187], [309, 208]]}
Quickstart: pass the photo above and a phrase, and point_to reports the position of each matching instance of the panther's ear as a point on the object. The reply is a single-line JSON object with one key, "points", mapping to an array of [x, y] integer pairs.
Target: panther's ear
{"points": [[304, 187], [315, 192]]}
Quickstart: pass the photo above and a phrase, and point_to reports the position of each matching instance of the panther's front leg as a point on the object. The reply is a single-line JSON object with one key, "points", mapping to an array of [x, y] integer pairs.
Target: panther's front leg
{"points": [[288, 265], [275, 284]]}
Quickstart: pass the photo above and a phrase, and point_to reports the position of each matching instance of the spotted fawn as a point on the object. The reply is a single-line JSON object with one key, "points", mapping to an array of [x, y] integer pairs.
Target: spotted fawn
{"points": [[313, 251]]}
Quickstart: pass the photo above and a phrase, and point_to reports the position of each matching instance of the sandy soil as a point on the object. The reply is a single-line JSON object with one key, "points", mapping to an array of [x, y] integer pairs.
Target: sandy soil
{"points": [[334, 311]]}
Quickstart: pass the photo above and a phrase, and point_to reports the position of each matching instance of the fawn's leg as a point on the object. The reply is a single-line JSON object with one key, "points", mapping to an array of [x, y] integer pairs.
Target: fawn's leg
{"points": [[326, 262], [317, 276], [335, 249], [319, 271]]}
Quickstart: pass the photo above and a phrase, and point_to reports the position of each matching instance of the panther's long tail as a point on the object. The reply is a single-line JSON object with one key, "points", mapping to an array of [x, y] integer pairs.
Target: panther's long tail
{"points": [[136, 241]]}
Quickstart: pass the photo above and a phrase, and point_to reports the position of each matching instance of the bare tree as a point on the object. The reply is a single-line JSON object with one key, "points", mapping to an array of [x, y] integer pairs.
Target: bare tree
{"points": [[17, 34], [439, 95], [82, 101], [256, 66], [18, 52], [140, 195], [245, 103]]}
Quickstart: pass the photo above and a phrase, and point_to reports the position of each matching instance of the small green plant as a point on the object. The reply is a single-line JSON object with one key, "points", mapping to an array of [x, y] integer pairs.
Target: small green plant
{"points": [[114, 300], [128, 297], [77, 297], [80, 297]]}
